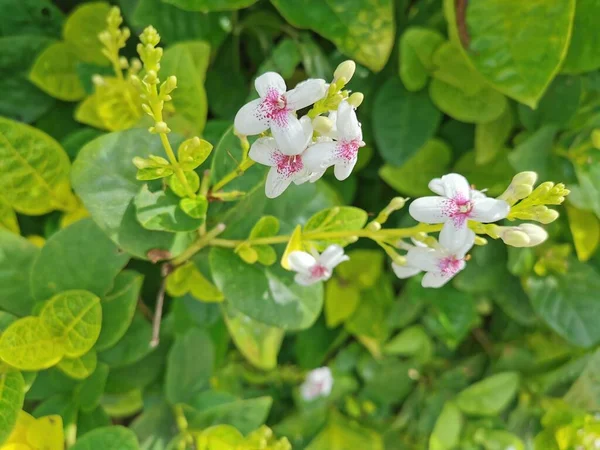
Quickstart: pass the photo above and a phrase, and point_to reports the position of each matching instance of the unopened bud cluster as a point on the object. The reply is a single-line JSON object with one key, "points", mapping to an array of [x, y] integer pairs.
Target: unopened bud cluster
{"points": [[336, 94]]}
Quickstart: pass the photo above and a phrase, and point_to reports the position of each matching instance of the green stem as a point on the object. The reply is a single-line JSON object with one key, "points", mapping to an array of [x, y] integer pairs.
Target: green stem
{"points": [[202, 242], [239, 170], [176, 168]]}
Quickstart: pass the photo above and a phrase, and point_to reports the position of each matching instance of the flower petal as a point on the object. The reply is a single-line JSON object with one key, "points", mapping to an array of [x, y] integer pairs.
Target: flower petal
{"points": [[262, 151], [434, 280], [276, 183], [289, 135], [248, 121], [428, 209], [307, 129], [316, 176], [454, 238], [305, 280], [306, 93], [460, 252], [319, 156], [437, 186], [269, 81], [301, 262], [426, 259], [489, 210], [404, 271], [347, 123], [343, 167], [456, 186], [332, 256]]}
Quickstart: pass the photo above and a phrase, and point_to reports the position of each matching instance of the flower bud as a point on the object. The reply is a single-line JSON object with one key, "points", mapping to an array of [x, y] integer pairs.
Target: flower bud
{"points": [[150, 36], [528, 178], [515, 237], [161, 127], [151, 77], [536, 234], [596, 138], [104, 37], [322, 125], [136, 65], [171, 83], [520, 187], [345, 70], [547, 216], [480, 241], [98, 80], [356, 99], [123, 63]]}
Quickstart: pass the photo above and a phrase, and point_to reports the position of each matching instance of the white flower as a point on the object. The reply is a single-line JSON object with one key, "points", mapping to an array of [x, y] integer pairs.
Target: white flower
{"points": [[343, 151], [275, 109], [457, 205], [313, 268], [441, 264], [318, 383], [285, 169]]}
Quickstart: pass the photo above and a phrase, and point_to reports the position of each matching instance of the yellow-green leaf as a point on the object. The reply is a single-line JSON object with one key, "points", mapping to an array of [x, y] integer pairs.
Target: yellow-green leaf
{"points": [[332, 220], [55, 72], [12, 393], [19, 432], [341, 300], [28, 345], [294, 244], [258, 342], [82, 28], [585, 229], [75, 317], [8, 217], [79, 368], [446, 432], [34, 170], [46, 433]]}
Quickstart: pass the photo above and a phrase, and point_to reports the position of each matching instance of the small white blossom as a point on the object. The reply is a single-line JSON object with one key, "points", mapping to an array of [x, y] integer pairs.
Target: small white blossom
{"points": [[457, 204], [342, 152], [318, 383], [314, 268], [285, 169], [275, 109], [441, 264]]}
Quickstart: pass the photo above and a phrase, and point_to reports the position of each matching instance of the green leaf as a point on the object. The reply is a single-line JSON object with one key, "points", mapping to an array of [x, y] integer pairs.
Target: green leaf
{"points": [[332, 220], [518, 59], [108, 437], [490, 396], [490, 137], [558, 105], [499, 440], [16, 258], [30, 17], [268, 295], [34, 179], [417, 46], [123, 405], [160, 211], [79, 368], [176, 25], [189, 61], [567, 302], [92, 388], [494, 176], [485, 106], [341, 300], [535, 152], [118, 308], [21, 100], [369, 318], [267, 226], [585, 229], [134, 345], [75, 318], [195, 208], [584, 53], [12, 393], [8, 218], [412, 341], [77, 257], [81, 31], [403, 121], [258, 342], [362, 30], [193, 152], [342, 434], [211, 5], [105, 179], [446, 432], [413, 176], [55, 73], [215, 408], [189, 366], [28, 345], [284, 59], [363, 269], [155, 427], [88, 421]]}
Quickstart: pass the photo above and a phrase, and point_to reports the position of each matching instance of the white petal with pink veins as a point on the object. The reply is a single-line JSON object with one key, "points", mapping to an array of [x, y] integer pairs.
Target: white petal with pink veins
{"points": [[434, 280], [263, 151], [301, 262], [249, 120], [489, 210], [332, 256], [426, 259], [320, 156], [405, 271], [306, 93], [429, 209], [455, 186], [347, 123], [343, 168], [454, 237], [289, 134], [269, 81]]}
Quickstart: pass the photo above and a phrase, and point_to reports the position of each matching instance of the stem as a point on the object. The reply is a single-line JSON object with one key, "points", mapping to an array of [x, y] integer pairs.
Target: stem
{"points": [[176, 168], [238, 171], [160, 300], [202, 242]]}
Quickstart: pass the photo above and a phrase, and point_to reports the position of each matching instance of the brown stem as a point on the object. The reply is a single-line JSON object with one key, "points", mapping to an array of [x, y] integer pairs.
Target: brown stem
{"points": [[160, 301]]}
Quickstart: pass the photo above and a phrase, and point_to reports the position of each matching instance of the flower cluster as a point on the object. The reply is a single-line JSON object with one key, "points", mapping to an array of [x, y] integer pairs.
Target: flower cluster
{"points": [[301, 149]]}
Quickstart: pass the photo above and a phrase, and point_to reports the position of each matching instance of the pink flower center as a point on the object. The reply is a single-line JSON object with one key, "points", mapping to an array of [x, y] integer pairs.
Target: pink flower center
{"points": [[318, 271], [459, 209], [273, 108], [450, 265], [288, 165], [348, 149]]}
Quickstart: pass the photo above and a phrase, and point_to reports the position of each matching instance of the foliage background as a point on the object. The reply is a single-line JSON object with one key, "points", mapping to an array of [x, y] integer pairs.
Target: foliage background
{"points": [[484, 88]]}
